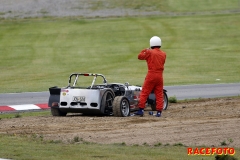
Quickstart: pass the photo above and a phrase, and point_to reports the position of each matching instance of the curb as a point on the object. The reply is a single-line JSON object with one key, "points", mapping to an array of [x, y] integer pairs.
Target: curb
{"points": [[23, 107]]}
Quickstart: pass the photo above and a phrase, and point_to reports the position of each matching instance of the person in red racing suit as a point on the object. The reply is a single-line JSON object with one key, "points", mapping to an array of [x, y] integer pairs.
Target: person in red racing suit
{"points": [[155, 59]]}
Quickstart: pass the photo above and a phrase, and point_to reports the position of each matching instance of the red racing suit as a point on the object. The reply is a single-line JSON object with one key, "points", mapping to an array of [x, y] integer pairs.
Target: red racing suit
{"points": [[155, 59]]}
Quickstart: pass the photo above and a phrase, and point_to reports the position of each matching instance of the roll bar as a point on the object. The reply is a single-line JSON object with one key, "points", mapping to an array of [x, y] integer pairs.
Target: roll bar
{"points": [[95, 75]]}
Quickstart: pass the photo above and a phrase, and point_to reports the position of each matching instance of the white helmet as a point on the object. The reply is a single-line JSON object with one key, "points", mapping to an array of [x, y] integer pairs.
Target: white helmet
{"points": [[155, 41]]}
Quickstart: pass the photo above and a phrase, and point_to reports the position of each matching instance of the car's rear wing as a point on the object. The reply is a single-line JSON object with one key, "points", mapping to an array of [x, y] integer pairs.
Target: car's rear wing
{"points": [[76, 75]]}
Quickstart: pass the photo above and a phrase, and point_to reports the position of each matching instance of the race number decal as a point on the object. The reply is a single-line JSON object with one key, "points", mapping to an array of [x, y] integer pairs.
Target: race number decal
{"points": [[79, 99]]}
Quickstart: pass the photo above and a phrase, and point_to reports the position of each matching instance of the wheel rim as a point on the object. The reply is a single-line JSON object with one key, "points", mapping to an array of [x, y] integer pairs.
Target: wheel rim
{"points": [[125, 107]]}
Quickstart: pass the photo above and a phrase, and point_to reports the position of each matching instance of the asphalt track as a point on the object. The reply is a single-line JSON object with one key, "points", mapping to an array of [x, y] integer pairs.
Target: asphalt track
{"points": [[180, 92]]}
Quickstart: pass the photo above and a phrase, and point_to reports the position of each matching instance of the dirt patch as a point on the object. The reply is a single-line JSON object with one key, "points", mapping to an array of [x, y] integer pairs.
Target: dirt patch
{"points": [[204, 122]]}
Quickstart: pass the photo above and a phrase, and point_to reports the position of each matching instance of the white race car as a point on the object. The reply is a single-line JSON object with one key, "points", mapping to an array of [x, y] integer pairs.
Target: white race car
{"points": [[106, 99]]}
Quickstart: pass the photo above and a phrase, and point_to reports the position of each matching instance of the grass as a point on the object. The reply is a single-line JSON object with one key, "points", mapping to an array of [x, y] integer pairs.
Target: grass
{"points": [[172, 99], [39, 53], [165, 5], [24, 114], [23, 147]]}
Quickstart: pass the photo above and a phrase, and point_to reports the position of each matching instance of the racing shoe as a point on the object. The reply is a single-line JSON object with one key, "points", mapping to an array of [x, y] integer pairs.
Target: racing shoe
{"points": [[159, 113], [140, 112]]}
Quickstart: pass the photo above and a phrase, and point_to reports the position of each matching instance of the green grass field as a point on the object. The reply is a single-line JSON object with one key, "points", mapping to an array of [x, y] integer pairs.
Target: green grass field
{"points": [[36, 54], [33, 148]]}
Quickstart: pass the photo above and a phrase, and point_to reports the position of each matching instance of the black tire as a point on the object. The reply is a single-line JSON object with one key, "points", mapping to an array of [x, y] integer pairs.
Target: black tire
{"points": [[121, 107], [165, 105], [107, 102], [165, 98], [57, 112]]}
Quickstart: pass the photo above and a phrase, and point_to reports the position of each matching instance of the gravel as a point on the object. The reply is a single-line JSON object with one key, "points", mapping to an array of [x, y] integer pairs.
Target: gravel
{"points": [[63, 8], [83, 8]]}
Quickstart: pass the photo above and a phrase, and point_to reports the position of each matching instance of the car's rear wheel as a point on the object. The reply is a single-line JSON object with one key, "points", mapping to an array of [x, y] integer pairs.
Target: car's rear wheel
{"points": [[165, 104], [107, 102], [57, 112], [121, 107]]}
